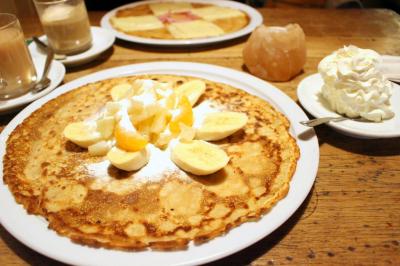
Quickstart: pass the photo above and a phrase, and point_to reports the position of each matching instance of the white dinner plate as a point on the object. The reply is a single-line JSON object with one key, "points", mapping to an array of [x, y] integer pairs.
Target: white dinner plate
{"points": [[310, 97], [33, 232], [56, 75], [102, 39], [254, 16]]}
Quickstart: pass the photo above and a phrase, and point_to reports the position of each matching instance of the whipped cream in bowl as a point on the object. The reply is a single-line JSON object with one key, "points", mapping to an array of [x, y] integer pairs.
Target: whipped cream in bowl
{"points": [[350, 84], [354, 86]]}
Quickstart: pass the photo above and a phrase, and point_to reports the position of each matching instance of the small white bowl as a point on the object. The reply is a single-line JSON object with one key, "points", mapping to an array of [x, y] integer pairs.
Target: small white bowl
{"points": [[310, 97]]}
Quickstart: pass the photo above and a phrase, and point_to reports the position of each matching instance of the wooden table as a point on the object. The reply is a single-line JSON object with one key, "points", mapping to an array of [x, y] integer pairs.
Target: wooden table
{"points": [[352, 214]]}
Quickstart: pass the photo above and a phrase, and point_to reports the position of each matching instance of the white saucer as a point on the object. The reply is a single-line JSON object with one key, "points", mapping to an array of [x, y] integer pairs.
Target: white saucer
{"points": [[102, 40], [56, 75], [309, 94]]}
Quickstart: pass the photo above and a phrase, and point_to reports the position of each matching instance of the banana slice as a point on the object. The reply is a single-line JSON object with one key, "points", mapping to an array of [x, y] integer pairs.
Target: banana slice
{"points": [[105, 126], [147, 111], [192, 89], [160, 121], [163, 139], [128, 161], [100, 148], [121, 91], [112, 108], [199, 157], [83, 134], [217, 126], [187, 133]]}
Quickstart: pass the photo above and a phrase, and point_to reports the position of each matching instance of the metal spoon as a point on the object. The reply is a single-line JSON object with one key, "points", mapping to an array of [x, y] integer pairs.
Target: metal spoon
{"points": [[319, 121], [3, 83], [395, 80], [44, 47], [44, 81]]}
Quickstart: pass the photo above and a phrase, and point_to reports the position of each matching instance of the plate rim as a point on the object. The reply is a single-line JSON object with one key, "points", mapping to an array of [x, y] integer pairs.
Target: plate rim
{"points": [[306, 103], [256, 19], [308, 149]]}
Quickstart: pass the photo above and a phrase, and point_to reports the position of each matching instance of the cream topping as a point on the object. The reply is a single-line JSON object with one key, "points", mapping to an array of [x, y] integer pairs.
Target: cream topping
{"points": [[159, 160], [353, 84]]}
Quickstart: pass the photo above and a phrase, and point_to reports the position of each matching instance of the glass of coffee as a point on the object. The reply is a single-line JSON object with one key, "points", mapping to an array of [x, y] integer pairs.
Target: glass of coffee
{"points": [[66, 25], [17, 72]]}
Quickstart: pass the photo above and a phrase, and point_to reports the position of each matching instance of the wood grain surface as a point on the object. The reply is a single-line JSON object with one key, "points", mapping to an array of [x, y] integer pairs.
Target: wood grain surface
{"points": [[352, 215]]}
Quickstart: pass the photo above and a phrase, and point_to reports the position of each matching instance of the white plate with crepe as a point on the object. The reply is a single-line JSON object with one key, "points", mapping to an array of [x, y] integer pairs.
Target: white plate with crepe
{"points": [[102, 40], [255, 19], [56, 75], [33, 231], [310, 97]]}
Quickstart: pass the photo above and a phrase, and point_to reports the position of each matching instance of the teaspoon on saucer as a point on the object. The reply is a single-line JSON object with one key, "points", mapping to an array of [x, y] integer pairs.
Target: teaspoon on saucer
{"points": [[323, 120], [44, 82], [44, 47]]}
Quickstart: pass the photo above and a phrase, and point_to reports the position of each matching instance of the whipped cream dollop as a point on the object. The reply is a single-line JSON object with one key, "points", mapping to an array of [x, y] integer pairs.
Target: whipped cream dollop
{"points": [[354, 85]]}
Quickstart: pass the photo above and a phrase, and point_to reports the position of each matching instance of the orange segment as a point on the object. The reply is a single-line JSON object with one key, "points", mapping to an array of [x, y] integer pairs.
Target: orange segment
{"points": [[144, 127], [129, 140], [184, 116]]}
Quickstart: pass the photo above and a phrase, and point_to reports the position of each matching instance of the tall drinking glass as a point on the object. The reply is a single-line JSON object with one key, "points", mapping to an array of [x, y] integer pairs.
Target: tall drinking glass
{"points": [[66, 25], [17, 72]]}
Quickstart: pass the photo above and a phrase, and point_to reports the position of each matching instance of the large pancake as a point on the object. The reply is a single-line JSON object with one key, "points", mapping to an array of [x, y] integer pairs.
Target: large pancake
{"points": [[228, 25], [49, 175]]}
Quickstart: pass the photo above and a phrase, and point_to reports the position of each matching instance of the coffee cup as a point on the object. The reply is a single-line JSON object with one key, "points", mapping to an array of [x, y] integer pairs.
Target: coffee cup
{"points": [[17, 72], [66, 25]]}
